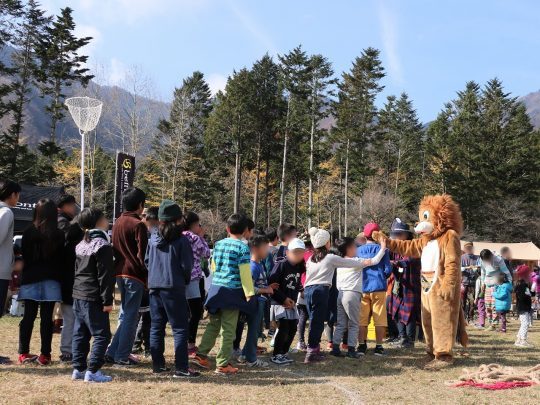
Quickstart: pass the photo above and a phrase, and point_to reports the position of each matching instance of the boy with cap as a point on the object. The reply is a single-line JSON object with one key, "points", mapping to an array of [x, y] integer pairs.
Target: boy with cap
{"points": [[374, 291], [230, 292], [286, 274]]}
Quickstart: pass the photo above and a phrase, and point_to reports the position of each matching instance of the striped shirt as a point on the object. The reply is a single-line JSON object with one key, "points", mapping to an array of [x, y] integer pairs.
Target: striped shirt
{"points": [[228, 255]]}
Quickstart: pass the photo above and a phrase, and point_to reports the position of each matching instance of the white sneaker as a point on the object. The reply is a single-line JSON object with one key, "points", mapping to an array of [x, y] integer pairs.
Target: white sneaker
{"points": [[97, 377], [77, 375], [258, 364]]}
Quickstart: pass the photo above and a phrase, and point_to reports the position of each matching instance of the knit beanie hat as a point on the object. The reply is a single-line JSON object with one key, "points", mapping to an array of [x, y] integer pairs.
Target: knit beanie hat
{"points": [[319, 237], [523, 271], [169, 211]]}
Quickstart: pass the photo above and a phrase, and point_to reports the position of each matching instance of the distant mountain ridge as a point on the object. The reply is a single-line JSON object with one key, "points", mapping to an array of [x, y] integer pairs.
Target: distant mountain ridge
{"points": [[532, 103]]}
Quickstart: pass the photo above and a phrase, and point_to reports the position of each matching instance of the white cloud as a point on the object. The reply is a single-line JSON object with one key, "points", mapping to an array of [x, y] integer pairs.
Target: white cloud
{"points": [[83, 30], [216, 82], [117, 72], [389, 26]]}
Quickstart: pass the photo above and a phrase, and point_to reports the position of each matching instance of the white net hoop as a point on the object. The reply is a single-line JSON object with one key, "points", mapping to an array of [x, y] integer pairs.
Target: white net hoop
{"points": [[85, 111]]}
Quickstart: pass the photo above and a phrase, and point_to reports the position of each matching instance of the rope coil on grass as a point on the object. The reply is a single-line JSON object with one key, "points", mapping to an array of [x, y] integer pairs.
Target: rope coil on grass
{"points": [[496, 377]]}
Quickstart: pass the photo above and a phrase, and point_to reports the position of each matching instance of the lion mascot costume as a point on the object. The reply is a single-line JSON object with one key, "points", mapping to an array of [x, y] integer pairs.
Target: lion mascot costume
{"points": [[439, 250]]}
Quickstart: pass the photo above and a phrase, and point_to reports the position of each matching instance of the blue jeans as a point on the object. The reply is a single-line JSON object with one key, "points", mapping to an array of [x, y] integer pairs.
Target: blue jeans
{"points": [[169, 305], [90, 322], [254, 324], [131, 292], [316, 297]]}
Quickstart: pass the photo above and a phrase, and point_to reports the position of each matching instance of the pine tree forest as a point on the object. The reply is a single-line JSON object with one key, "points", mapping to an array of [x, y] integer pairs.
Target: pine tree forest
{"points": [[287, 140]]}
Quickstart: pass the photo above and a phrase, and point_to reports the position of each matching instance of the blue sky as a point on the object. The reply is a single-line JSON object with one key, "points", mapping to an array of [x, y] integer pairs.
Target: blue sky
{"points": [[429, 48]]}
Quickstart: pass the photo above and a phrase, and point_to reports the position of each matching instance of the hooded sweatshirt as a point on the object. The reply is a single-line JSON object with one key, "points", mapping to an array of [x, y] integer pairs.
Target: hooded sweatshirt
{"points": [[503, 296], [374, 277], [169, 262], [94, 269]]}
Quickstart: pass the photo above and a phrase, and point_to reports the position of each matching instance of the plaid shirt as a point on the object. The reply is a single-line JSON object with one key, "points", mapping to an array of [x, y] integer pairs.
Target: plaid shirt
{"points": [[227, 257], [407, 299]]}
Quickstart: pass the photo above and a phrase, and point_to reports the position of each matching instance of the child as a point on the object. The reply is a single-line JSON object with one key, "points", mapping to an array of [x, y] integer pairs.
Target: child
{"points": [[349, 285], [259, 251], [479, 293], [286, 273], [93, 290], [286, 233], [169, 260], [301, 302], [320, 270], [490, 266], [524, 304], [141, 345], [230, 292], [503, 299]]}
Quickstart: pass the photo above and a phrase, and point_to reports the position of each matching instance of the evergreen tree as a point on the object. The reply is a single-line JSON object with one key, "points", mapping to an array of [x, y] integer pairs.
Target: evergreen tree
{"points": [[294, 77], [321, 90], [355, 114], [230, 127], [26, 39], [10, 12], [179, 146], [401, 136], [267, 107], [61, 65]]}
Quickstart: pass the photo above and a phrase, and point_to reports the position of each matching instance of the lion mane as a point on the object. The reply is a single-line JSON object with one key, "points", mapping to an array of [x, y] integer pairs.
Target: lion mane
{"points": [[445, 214]]}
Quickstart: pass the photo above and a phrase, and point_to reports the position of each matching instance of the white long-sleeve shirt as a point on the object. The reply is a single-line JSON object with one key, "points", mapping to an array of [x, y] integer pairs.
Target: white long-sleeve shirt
{"points": [[349, 278], [321, 273]]}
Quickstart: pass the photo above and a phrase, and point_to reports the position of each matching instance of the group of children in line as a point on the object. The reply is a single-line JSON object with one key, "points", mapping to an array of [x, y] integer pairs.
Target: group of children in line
{"points": [[159, 258]]}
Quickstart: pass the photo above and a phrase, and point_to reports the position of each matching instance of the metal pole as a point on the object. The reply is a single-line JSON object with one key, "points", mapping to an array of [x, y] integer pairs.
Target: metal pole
{"points": [[82, 169]]}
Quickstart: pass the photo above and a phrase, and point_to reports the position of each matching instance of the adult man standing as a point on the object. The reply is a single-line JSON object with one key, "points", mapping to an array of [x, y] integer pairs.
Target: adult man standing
{"points": [[129, 239], [374, 291], [67, 209], [9, 197]]}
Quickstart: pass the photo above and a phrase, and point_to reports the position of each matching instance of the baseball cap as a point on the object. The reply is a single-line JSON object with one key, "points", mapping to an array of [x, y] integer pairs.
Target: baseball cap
{"points": [[296, 243], [370, 228]]}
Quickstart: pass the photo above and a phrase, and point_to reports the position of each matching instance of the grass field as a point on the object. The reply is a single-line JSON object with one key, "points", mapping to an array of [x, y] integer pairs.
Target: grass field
{"points": [[395, 379]]}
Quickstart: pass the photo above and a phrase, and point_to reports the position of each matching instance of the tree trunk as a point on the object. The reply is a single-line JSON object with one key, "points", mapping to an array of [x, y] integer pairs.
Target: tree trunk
{"points": [[266, 208], [311, 161], [346, 192], [257, 182], [284, 167], [295, 213], [318, 202], [237, 182]]}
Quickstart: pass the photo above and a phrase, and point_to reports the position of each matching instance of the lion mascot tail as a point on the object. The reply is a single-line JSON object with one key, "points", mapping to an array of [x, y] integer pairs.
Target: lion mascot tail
{"points": [[462, 337]]}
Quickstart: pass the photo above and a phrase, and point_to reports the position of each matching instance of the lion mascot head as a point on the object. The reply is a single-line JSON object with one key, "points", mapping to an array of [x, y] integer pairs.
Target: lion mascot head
{"points": [[437, 215]]}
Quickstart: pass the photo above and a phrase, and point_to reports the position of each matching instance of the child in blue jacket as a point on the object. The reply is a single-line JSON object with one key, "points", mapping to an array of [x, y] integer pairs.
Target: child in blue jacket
{"points": [[503, 299], [169, 259]]}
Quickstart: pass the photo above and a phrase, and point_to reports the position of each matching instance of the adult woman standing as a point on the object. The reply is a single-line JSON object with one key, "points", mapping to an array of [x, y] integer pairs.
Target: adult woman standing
{"points": [[195, 234], [42, 248]]}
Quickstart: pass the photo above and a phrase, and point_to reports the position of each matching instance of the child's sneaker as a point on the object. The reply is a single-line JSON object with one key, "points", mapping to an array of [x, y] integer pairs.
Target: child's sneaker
{"points": [[279, 359], [160, 369], [344, 347], [301, 347], [44, 359], [258, 364], [66, 358], [287, 358], [226, 370], [379, 350], [189, 373], [97, 377], [352, 354], [336, 351], [109, 359], [129, 362], [201, 361], [236, 353], [313, 355], [26, 358], [77, 375], [241, 359], [362, 349]]}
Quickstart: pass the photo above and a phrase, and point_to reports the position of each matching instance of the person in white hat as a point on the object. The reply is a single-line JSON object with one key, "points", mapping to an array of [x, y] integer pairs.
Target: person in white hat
{"points": [[320, 270]]}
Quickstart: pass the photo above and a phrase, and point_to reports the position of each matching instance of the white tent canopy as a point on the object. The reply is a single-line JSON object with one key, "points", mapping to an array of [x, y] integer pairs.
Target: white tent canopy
{"points": [[520, 251]]}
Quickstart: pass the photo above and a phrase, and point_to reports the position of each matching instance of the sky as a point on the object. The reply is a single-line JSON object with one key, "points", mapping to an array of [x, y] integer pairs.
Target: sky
{"points": [[429, 49]]}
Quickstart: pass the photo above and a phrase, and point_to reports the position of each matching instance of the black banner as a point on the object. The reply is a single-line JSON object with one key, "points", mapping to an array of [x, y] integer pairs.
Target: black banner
{"points": [[125, 174]]}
